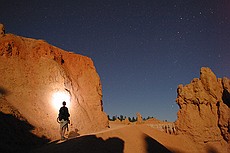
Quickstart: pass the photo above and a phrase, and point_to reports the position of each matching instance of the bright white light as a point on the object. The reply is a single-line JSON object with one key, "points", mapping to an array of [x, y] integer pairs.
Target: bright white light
{"points": [[59, 97]]}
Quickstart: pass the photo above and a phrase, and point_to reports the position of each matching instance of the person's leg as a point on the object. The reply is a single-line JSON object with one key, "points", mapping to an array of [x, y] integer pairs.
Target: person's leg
{"points": [[63, 128], [60, 129], [63, 131]]}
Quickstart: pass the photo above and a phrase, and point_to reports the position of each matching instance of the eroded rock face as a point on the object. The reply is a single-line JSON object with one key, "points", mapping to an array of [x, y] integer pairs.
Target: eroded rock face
{"points": [[32, 71], [204, 108], [2, 30]]}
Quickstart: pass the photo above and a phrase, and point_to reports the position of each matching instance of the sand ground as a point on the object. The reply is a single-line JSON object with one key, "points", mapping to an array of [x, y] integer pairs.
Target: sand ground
{"points": [[121, 138]]}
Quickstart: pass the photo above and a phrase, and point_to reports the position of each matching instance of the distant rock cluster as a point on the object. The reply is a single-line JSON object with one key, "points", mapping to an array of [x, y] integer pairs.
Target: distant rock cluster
{"points": [[168, 128], [204, 112]]}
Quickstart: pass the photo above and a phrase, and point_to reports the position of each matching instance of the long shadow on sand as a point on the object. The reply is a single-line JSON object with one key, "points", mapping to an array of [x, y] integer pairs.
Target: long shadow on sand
{"points": [[84, 144], [93, 144], [16, 136], [154, 146]]}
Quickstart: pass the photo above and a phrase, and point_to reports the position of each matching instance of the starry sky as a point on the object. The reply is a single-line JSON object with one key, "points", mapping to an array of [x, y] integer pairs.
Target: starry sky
{"points": [[142, 49]]}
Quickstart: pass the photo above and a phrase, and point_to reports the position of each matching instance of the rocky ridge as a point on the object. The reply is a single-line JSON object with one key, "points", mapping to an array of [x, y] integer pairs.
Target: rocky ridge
{"points": [[33, 70]]}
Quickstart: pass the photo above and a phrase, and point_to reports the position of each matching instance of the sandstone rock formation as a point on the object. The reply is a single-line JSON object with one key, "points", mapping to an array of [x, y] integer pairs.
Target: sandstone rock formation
{"points": [[167, 127], [2, 30], [204, 110], [32, 71], [139, 118], [126, 121]]}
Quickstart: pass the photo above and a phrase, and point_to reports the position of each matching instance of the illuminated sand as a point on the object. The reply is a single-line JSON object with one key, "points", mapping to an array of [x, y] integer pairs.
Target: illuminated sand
{"points": [[129, 139]]}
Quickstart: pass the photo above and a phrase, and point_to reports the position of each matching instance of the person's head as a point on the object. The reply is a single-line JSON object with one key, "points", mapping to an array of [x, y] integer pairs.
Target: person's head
{"points": [[63, 103]]}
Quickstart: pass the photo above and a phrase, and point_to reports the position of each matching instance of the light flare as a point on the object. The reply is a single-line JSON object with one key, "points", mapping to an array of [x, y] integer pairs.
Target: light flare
{"points": [[59, 97]]}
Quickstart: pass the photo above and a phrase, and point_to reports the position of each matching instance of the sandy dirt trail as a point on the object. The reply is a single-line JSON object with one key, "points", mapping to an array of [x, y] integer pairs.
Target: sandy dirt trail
{"points": [[124, 139]]}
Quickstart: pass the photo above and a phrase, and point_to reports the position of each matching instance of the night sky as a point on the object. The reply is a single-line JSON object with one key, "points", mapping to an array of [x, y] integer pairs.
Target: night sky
{"points": [[142, 49]]}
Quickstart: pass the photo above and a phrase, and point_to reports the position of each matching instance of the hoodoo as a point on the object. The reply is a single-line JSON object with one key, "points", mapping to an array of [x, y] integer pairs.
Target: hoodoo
{"points": [[204, 112]]}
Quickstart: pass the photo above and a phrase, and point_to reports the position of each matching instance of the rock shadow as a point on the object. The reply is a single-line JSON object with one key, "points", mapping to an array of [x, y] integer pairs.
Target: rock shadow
{"points": [[154, 146], [226, 97], [84, 144], [73, 134], [16, 136], [212, 150], [3, 91]]}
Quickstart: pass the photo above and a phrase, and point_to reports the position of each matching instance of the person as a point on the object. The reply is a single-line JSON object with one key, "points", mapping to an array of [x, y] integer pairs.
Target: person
{"points": [[63, 118]]}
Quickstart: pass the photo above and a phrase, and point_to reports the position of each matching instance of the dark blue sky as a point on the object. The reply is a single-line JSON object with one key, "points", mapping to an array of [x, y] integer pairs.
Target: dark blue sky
{"points": [[142, 49]]}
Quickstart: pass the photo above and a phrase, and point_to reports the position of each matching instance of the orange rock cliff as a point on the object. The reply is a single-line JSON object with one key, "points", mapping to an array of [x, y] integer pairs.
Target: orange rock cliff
{"points": [[204, 112], [33, 72]]}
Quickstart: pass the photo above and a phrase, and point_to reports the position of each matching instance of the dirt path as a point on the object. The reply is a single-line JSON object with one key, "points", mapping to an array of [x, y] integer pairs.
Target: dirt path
{"points": [[124, 139]]}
